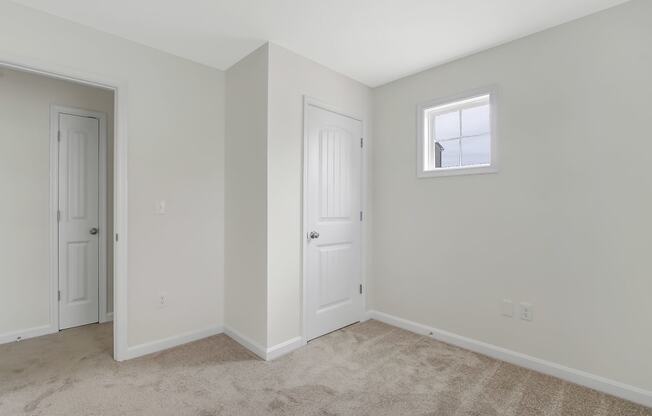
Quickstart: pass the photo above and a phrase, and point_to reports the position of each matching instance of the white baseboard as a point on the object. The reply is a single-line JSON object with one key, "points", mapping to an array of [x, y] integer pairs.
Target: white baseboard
{"points": [[367, 316], [107, 318], [174, 341], [262, 352], [605, 385], [24, 334], [246, 342], [284, 348]]}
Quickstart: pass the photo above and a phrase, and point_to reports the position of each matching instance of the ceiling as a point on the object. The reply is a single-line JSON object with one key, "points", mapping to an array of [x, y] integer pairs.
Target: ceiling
{"points": [[372, 41]]}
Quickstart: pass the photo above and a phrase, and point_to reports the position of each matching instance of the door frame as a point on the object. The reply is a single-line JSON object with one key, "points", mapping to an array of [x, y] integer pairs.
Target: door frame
{"points": [[55, 111], [120, 192], [314, 102]]}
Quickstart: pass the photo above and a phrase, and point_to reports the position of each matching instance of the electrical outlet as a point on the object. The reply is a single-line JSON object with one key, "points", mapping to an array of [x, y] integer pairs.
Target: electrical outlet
{"points": [[526, 311], [507, 308], [162, 300]]}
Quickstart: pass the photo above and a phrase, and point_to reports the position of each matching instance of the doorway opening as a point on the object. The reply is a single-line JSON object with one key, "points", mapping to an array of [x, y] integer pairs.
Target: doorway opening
{"points": [[57, 160]]}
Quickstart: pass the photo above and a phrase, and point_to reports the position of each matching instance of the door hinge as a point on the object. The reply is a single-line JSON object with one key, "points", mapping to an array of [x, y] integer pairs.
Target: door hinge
{"points": [[58, 216], [361, 288], [116, 237], [361, 142], [59, 295], [59, 135], [360, 215]]}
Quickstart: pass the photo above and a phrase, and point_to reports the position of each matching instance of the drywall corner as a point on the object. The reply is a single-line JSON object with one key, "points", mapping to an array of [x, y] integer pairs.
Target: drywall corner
{"points": [[246, 197]]}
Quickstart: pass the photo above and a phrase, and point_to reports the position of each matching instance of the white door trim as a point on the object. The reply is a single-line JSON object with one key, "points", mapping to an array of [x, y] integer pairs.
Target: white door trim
{"points": [[310, 101], [120, 220], [55, 111]]}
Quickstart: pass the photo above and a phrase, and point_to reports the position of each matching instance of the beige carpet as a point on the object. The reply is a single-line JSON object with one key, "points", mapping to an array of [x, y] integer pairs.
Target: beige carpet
{"points": [[365, 369]]}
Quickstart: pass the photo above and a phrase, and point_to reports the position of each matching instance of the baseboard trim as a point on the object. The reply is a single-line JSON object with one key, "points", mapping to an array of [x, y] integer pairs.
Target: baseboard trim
{"points": [[107, 318], [23, 334], [170, 342], [284, 348], [252, 346], [366, 316], [266, 354], [605, 385]]}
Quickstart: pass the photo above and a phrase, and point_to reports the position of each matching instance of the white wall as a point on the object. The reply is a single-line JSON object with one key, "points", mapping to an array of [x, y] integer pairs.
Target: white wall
{"points": [[292, 76], [176, 153], [25, 101], [246, 197], [565, 224], [265, 94]]}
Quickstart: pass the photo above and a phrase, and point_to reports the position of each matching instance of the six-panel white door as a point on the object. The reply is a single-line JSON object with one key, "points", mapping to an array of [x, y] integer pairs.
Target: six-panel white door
{"points": [[333, 212], [79, 219]]}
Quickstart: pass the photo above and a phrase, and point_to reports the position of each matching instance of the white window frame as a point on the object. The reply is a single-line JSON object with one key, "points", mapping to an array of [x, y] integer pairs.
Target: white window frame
{"points": [[423, 141]]}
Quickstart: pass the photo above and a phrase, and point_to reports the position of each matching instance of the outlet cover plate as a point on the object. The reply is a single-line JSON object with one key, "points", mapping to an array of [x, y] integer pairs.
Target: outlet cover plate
{"points": [[526, 311], [507, 308]]}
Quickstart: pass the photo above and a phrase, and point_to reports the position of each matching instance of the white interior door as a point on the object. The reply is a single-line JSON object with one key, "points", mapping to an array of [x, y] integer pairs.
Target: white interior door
{"points": [[78, 220], [333, 213]]}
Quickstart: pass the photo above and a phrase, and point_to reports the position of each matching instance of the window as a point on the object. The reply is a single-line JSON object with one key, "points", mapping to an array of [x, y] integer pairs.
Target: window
{"points": [[457, 136]]}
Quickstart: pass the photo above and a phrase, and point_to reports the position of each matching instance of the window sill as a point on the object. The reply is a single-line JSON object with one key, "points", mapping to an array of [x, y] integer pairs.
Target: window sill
{"points": [[470, 170]]}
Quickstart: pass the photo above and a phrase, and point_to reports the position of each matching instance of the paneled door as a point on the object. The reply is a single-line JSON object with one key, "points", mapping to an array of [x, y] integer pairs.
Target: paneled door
{"points": [[333, 218], [78, 220]]}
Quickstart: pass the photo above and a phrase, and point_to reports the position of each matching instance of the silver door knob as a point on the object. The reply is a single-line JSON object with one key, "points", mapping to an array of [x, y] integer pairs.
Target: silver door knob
{"points": [[94, 231], [313, 235]]}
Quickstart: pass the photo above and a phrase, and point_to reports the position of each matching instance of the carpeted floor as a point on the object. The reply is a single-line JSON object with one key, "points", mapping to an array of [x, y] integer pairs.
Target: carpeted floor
{"points": [[366, 369]]}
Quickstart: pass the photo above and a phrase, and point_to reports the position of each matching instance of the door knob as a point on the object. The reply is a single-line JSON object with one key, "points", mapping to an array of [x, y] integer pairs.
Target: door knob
{"points": [[94, 231], [313, 235]]}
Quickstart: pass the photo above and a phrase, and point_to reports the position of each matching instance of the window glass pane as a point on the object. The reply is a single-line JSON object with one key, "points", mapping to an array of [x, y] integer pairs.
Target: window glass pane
{"points": [[475, 120], [447, 125], [476, 150], [458, 134], [450, 153]]}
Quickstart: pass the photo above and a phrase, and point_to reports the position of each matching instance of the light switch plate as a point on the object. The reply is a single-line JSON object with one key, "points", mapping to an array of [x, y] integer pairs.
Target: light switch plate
{"points": [[160, 207]]}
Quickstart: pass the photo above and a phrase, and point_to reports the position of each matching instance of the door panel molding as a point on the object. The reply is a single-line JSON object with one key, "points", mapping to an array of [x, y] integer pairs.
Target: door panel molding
{"points": [[334, 213]]}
